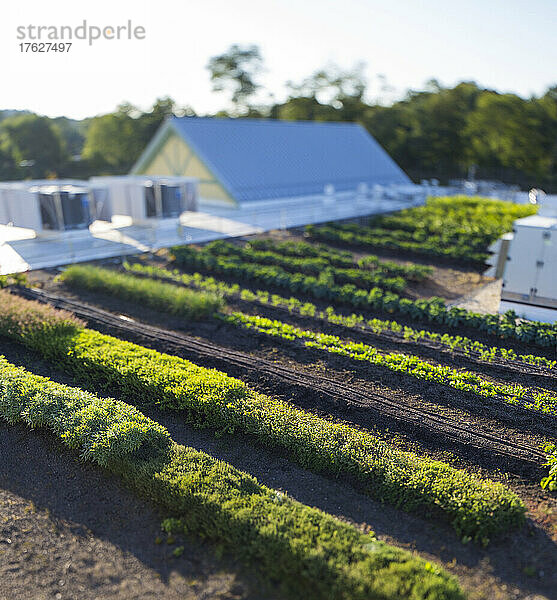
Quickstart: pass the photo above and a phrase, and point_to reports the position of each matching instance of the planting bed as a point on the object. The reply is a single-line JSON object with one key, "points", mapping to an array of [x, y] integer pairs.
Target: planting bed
{"points": [[512, 447], [326, 389], [338, 380], [67, 528], [56, 488]]}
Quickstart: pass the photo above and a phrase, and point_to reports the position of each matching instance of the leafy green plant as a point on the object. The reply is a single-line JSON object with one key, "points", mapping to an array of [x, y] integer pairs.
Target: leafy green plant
{"points": [[225, 253], [550, 481], [168, 298], [315, 256], [13, 279], [515, 394], [432, 310], [307, 553], [208, 398], [456, 227], [296, 306]]}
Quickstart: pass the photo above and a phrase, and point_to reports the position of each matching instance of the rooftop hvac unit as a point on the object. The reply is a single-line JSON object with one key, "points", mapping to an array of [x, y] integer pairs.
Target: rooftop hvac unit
{"points": [[527, 261], [100, 200], [46, 206], [147, 198]]}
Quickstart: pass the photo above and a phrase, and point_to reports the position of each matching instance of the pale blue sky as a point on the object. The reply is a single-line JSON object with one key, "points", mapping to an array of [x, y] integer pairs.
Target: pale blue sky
{"points": [[506, 45]]}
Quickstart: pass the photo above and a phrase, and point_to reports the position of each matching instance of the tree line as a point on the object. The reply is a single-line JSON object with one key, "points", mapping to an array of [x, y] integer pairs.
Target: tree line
{"points": [[440, 132]]}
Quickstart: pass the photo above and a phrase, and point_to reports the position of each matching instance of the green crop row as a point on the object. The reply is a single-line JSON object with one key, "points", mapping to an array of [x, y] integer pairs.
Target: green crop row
{"points": [[309, 553], [338, 258], [307, 309], [457, 227], [14, 279], [384, 239], [335, 258], [432, 310], [320, 285], [231, 254], [161, 296], [550, 482], [455, 218], [169, 298], [516, 394], [476, 508]]}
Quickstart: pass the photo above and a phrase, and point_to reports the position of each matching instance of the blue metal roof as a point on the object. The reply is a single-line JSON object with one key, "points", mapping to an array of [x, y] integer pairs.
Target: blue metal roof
{"points": [[258, 159]]}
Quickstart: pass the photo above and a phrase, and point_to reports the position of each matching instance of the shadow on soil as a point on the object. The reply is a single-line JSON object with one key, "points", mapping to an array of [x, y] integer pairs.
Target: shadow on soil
{"points": [[86, 496], [87, 500]]}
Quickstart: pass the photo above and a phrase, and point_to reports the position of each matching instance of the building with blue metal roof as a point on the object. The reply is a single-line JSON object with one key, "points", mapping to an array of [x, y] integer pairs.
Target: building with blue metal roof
{"points": [[242, 161]]}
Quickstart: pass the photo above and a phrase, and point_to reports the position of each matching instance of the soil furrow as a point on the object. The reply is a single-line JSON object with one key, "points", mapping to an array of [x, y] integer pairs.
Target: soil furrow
{"points": [[508, 369], [510, 454]]}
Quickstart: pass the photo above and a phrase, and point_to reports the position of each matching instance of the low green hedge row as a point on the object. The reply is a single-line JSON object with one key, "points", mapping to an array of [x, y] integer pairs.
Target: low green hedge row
{"points": [[326, 255], [307, 553], [166, 297], [384, 239], [103, 430], [220, 252], [515, 394], [338, 258], [320, 286], [433, 310], [469, 221], [476, 508], [234, 291]]}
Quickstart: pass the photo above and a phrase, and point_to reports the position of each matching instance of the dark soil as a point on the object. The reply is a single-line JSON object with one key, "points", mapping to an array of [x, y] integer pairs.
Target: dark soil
{"points": [[449, 279], [348, 390], [70, 531], [97, 540]]}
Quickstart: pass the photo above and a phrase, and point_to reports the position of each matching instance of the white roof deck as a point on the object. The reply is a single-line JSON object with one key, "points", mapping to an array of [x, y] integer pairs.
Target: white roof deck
{"points": [[21, 250]]}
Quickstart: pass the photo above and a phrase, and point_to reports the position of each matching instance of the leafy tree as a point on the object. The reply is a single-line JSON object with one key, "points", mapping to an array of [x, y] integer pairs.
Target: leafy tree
{"points": [[329, 94], [505, 130], [548, 124], [305, 109], [8, 168], [237, 70], [112, 139], [150, 121], [73, 133], [331, 85], [429, 127], [34, 145]]}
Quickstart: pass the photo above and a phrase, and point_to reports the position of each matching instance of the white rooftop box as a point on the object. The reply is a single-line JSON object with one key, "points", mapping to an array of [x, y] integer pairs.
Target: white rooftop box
{"points": [[46, 205], [530, 275], [144, 198]]}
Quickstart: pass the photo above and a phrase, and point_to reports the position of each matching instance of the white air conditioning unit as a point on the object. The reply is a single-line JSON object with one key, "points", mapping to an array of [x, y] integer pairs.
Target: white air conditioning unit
{"points": [[46, 206], [147, 198], [530, 269]]}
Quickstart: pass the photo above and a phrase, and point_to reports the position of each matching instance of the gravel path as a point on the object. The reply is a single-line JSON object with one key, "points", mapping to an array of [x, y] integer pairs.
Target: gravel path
{"points": [[484, 299]]}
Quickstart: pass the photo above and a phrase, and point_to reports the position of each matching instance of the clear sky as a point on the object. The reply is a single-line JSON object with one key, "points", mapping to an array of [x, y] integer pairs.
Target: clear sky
{"points": [[508, 45]]}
